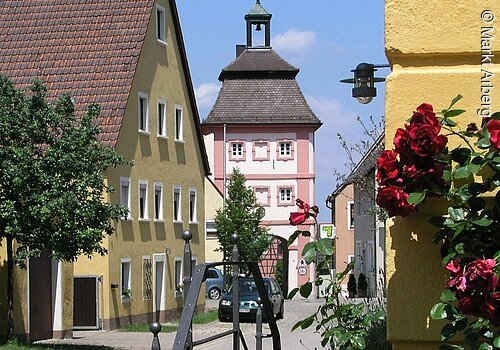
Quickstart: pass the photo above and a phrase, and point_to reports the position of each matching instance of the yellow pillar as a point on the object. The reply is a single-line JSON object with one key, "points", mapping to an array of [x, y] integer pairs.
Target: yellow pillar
{"points": [[437, 49]]}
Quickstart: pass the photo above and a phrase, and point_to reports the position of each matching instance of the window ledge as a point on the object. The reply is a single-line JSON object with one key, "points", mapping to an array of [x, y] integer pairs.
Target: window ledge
{"points": [[161, 42], [179, 141], [144, 220], [178, 222], [193, 223], [162, 137], [159, 221], [144, 132]]}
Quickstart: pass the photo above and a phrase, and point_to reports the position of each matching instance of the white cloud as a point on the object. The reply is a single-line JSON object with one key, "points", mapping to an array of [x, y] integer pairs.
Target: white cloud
{"points": [[294, 41], [206, 94]]}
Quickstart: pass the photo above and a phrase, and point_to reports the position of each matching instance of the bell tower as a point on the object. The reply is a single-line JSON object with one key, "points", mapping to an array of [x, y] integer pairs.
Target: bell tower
{"points": [[258, 17]]}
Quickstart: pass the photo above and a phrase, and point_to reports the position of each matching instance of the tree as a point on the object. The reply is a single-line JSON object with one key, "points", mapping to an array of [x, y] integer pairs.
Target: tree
{"points": [[51, 180], [242, 215]]}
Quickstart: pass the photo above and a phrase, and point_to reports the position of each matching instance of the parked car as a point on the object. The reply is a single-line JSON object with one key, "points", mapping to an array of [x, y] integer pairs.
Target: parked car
{"points": [[214, 283], [248, 300]]}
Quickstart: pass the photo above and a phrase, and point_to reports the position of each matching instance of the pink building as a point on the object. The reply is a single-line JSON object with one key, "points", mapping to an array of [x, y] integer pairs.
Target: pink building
{"points": [[262, 124]]}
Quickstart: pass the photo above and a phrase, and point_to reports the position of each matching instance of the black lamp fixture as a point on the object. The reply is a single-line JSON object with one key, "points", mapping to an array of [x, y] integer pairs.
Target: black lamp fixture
{"points": [[364, 81]]}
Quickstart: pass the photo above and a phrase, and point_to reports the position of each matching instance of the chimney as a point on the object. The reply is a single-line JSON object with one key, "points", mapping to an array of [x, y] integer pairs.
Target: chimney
{"points": [[240, 49]]}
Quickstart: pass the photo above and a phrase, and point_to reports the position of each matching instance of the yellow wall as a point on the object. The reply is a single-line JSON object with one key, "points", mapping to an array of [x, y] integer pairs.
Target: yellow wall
{"points": [[213, 201], [159, 74], [434, 48]]}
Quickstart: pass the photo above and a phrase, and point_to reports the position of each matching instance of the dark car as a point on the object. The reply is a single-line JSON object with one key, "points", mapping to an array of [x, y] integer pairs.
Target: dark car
{"points": [[248, 300], [214, 283]]}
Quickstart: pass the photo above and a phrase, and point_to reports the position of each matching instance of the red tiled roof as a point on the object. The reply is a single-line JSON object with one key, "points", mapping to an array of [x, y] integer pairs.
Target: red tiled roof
{"points": [[88, 48]]}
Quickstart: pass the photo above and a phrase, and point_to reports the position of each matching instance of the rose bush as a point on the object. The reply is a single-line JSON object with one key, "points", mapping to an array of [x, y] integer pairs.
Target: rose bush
{"points": [[421, 166]]}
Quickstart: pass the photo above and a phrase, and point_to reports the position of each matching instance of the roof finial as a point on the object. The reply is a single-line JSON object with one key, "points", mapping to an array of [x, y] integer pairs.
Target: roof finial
{"points": [[258, 2]]}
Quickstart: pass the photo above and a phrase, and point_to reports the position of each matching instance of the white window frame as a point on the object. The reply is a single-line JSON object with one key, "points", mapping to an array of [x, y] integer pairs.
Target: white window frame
{"points": [[161, 24], [162, 303], [178, 122], [143, 96], [142, 184], [158, 212], [127, 260], [161, 119], [125, 180], [285, 202], [145, 297], [285, 155], [177, 215], [350, 215], [211, 230], [193, 207], [178, 277]]}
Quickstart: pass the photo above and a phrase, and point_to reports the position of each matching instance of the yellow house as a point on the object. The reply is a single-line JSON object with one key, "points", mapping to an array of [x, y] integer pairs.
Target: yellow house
{"points": [[129, 57], [213, 201], [436, 49]]}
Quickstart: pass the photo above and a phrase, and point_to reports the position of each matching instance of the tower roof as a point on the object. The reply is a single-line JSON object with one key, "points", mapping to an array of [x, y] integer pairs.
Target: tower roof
{"points": [[257, 12]]}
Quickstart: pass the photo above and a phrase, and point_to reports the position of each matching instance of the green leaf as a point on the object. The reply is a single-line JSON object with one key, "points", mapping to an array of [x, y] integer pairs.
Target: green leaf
{"points": [[460, 155], [438, 311], [325, 246], [416, 197], [448, 332], [309, 252], [496, 342], [293, 237], [450, 347], [448, 122], [495, 116], [485, 346], [453, 113], [457, 214], [292, 293], [483, 221], [483, 143], [455, 100], [447, 296], [306, 289], [462, 172]]}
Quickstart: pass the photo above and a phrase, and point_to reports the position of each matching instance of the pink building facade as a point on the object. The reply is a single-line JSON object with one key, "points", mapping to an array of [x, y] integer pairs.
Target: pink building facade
{"points": [[262, 125]]}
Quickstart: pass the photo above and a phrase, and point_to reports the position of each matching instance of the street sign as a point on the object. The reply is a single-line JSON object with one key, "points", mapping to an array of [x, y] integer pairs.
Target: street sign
{"points": [[327, 231]]}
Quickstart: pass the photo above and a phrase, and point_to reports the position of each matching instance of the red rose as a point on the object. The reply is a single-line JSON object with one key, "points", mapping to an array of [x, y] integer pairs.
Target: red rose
{"points": [[388, 167], [425, 142], [298, 218], [485, 306], [394, 200], [481, 275], [424, 116], [402, 144], [494, 130]]}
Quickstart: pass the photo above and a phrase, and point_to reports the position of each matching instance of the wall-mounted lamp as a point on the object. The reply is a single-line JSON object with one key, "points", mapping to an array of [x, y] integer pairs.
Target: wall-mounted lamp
{"points": [[364, 81]]}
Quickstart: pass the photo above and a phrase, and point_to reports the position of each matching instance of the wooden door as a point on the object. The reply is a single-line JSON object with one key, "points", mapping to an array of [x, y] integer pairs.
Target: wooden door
{"points": [[40, 297]]}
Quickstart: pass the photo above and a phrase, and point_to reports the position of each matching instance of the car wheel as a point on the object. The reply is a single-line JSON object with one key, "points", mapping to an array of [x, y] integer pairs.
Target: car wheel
{"points": [[281, 313], [214, 293]]}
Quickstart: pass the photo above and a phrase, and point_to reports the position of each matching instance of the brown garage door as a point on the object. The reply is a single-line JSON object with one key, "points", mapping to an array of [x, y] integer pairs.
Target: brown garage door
{"points": [[85, 314], [40, 279]]}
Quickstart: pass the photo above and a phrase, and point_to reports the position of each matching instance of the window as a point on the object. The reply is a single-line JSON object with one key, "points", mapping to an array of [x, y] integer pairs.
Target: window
{"points": [[262, 195], [126, 276], [359, 257], [143, 112], [177, 204], [143, 200], [160, 23], [178, 277], [178, 124], [261, 150], [350, 215], [192, 205], [162, 123], [210, 229], [285, 195], [236, 150], [147, 278], [285, 150], [125, 195], [350, 259], [370, 258], [158, 202]]}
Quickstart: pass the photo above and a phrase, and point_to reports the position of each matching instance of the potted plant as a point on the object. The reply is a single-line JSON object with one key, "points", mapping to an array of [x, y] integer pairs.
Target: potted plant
{"points": [[362, 285], [126, 293], [351, 286]]}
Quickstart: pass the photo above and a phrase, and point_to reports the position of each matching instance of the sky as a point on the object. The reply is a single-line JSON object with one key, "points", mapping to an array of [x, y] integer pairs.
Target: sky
{"points": [[325, 39]]}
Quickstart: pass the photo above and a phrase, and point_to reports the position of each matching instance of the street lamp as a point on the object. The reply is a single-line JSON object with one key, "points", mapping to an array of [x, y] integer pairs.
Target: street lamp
{"points": [[364, 81]]}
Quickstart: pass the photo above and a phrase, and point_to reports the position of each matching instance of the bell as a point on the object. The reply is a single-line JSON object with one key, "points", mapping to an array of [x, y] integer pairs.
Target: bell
{"points": [[258, 29]]}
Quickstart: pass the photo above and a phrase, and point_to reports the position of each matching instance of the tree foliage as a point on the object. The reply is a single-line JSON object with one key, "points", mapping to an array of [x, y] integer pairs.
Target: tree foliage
{"points": [[52, 179], [242, 215]]}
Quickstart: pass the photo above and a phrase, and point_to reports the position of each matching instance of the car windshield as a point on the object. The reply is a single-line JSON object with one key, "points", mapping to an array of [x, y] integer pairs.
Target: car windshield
{"points": [[248, 286]]}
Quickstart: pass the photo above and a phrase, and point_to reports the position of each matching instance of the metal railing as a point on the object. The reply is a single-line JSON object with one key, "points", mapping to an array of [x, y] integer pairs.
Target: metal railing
{"points": [[192, 288]]}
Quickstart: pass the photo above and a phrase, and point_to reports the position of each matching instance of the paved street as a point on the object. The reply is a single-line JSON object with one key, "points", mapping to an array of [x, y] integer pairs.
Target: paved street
{"points": [[294, 311]]}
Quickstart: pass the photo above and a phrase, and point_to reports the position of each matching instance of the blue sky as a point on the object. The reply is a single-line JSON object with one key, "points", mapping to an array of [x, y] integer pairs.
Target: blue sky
{"points": [[325, 39]]}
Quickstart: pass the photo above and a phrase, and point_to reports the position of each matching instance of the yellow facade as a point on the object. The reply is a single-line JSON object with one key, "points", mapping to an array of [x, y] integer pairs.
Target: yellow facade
{"points": [[156, 160], [213, 201], [437, 50]]}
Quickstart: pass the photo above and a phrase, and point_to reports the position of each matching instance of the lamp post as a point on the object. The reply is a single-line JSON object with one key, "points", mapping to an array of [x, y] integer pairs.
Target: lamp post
{"points": [[364, 81]]}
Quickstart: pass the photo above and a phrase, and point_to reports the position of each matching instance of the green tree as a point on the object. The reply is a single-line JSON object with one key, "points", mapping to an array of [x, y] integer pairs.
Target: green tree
{"points": [[242, 216], [52, 180]]}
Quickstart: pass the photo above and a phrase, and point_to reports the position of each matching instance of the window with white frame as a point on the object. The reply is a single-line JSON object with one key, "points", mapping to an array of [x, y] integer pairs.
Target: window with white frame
{"points": [[178, 277], [359, 257], [143, 112], [160, 24], [158, 201], [192, 205], [147, 278], [260, 150], [285, 149], [177, 204], [350, 215], [125, 195], [370, 257], [210, 229], [285, 195], [237, 150], [178, 124], [126, 279], [351, 258], [162, 116], [262, 195], [143, 200]]}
